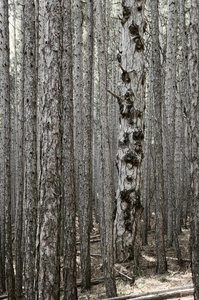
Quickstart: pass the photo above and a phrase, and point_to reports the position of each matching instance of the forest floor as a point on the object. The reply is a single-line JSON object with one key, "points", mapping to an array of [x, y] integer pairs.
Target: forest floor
{"points": [[147, 280]]}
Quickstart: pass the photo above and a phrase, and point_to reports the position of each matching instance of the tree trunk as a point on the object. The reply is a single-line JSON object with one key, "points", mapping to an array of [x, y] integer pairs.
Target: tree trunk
{"points": [[2, 186], [30, 147], [20, 174], [6, 118], [107, 207], [194, 115], [130, 153], [159, 185], [50, 161], [68, 174]]}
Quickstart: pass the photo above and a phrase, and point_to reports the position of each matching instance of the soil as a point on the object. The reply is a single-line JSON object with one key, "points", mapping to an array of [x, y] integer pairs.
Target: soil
{"points": [[147, 280]]}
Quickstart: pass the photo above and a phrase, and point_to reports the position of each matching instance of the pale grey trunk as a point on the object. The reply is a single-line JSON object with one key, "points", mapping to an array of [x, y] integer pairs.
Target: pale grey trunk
{"points": [[178, 162], [50, 155], [130, 153], [82, 167], [184, 96], [194, 117], [14, 117], [147, 161], [158, 147], [68, 174], [20, 174], [30, 147], [6, 118], [107, 217], [170, 94], [170, 100]]}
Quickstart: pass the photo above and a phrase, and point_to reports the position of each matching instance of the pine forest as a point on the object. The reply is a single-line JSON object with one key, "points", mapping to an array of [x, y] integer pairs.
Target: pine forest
{"points": [[99, 149]]}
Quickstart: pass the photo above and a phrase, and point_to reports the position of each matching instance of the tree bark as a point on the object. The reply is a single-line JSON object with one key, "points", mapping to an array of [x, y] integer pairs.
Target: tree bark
{"points": [[20, 176], [50, 160], [194, 116], [6, 118], [158, 148], [30, 147], [106, 225], [130, 153], [68, 173]]}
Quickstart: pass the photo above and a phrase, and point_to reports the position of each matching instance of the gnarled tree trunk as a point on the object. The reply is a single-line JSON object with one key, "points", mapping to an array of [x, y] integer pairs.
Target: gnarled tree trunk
{"points": [[131, 135]]}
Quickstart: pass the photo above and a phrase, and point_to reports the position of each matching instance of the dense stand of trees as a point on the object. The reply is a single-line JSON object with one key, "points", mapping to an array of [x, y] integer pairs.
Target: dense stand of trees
{"points": [[98, 121]]}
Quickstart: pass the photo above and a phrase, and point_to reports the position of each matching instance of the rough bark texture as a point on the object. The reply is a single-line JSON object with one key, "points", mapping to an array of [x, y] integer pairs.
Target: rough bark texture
{"points": [[194, 117], [68, 175], [20, 179], [2, 200], [82, 201], [184, 97], [170, 94], [130, 153], [159, 187], [30, 147], [106, 225], [5, 96], [50, 160]]}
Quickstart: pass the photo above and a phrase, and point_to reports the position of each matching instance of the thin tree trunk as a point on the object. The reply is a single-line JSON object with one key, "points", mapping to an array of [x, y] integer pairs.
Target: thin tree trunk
{"points": [[158, 147], [2, 175], [68, 173], [107, 216], [20, 174], [30, 147], [194, 116], [7, 151]]}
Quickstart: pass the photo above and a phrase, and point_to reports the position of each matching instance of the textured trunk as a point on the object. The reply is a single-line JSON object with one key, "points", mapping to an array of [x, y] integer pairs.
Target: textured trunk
{"points": [[30, 147], [107, 207], [6, 118], [20, 187], [68, 175], [159, 186], [82, 202], [170, 98], [2, 199], [184, 96], [170, 94], [146, 166], [194, 117], [14, 126], [130, 153], [178, 163], [50, 177]]}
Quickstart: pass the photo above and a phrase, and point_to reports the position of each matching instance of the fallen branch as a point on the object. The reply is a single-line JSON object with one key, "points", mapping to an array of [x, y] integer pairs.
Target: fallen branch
{"points": [[4, 297], [91, 241], [162, 294], [114, 95], [184, 259], [91, 254], [124, 275]]}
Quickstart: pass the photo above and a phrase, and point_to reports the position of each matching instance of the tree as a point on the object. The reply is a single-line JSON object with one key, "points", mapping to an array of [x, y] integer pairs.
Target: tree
{"points": [[106, 222], [157, 94], [194, 115], [19, 234], [30, 147], [170, 101], [6, 119], [50, 161], [68, 174], [130, 153], [81, 141]]}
